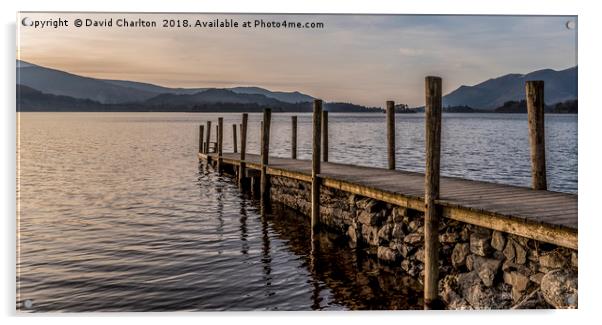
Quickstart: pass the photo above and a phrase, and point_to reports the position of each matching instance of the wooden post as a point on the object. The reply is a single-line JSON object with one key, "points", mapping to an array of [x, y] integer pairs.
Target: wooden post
{"points": [[535, 112], [260, 138], [325, 135], [220, 143], [208, 139], [243, 149], [315, 165], [294, 137], [431, 191], [234, 140], [201, 134], [391, 133], [265, 153]]}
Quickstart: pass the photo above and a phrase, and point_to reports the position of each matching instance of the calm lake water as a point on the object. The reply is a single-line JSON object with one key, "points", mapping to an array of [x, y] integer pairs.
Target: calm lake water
{"points": [[117, 215]]}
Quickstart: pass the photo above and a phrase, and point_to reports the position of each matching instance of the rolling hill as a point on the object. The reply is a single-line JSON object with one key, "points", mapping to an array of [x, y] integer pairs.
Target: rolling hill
{"points": [[57, 82]]}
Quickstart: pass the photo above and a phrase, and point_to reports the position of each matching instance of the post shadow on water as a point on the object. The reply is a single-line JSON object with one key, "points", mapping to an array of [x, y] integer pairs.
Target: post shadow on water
{"points": [[352, 277]]}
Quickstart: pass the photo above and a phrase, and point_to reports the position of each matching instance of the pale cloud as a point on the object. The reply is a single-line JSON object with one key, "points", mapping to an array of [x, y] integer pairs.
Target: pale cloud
{"points": [[406, 51]]}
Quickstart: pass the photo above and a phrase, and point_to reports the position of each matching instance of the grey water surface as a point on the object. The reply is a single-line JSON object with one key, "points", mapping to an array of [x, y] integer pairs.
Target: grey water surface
{"points": [[115, 213]]}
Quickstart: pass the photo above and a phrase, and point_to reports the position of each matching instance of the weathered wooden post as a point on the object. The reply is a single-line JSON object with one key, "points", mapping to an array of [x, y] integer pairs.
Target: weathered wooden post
{"points": [[201, 135], [234, 140], [535, 112], [294, 137], [220, 143], [315, 165], [243, 149], [208, 139], [431, 191], [325, 135], [391, 133], [216, 138], [265, 152]]}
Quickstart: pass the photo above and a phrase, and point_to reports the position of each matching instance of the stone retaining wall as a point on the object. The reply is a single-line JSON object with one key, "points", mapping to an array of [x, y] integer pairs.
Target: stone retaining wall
{"points": [[479, 268]]}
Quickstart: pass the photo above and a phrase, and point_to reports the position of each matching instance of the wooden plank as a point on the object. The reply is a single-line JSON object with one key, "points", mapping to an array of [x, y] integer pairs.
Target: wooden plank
{"points": [[522, 201], [561, 236]]}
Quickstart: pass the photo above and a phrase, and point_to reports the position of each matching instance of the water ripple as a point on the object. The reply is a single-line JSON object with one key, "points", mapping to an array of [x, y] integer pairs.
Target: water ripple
{"points": [[117, 215]]}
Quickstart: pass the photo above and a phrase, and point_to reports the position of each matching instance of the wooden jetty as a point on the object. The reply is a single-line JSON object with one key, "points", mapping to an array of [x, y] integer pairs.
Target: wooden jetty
{"points": [[534, 213], [541, 215]]}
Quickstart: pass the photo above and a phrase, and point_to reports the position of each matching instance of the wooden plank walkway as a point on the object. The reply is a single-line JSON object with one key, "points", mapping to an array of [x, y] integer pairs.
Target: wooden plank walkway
{"points": [[541, 215]]}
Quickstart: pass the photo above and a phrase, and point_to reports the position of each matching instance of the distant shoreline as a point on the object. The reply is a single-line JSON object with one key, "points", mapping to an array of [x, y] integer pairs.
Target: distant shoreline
{"points": [[32, 100], [274, 111]]}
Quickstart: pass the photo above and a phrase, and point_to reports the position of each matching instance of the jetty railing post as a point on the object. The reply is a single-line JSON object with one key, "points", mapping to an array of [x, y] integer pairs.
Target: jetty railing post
{"points": [[201, 135], [234, 140], [294, 137], [431, 191], [208, 139], [325, 135], [216, 138], [535, 113], [264, 184], [220, 143], [315, 165], [391, 134], [243, 149]]}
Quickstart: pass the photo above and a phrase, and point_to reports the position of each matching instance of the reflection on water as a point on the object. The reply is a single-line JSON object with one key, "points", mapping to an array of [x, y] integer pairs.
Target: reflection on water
{"points": [[116, 214], [349, 276]]}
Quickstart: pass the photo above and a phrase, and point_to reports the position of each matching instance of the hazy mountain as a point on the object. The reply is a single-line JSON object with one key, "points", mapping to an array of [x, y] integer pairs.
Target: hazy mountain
{"points": [[52, 81], [560, 86], [287, 97], [212, 96], [57, 82], [153, 88], [29, 99], [212, 100]]}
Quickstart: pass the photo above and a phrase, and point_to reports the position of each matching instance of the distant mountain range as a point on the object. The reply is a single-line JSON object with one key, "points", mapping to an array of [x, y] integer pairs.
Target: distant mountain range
{"points": [[56, 82], [560, 86], [41, 88], [32, 100]]}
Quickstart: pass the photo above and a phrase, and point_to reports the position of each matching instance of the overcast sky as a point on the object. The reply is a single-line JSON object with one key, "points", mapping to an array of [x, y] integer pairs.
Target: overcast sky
{"points": [[361, 59]]}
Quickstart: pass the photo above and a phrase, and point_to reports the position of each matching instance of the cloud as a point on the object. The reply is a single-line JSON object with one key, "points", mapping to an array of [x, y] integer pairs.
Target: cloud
{"points": [[412, 52]]}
